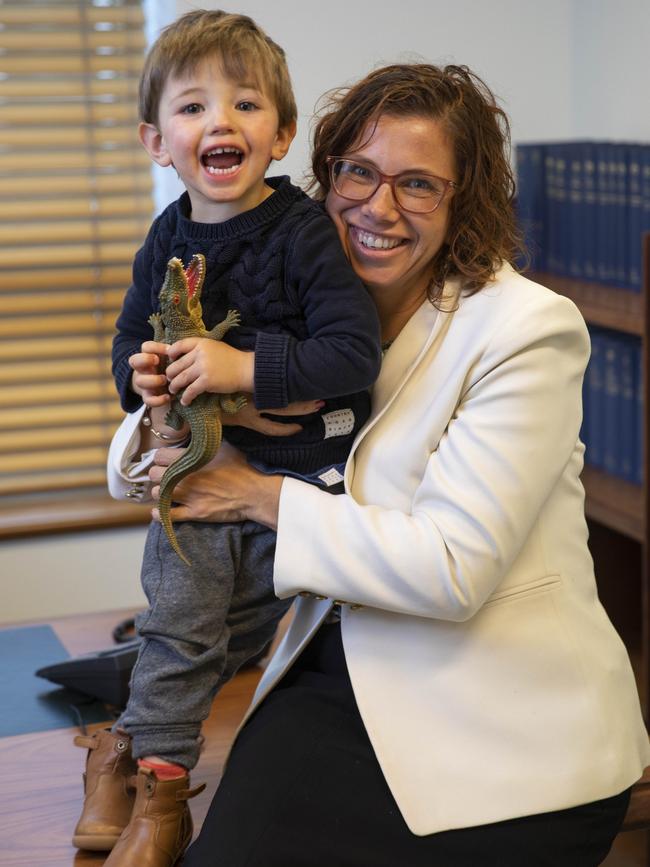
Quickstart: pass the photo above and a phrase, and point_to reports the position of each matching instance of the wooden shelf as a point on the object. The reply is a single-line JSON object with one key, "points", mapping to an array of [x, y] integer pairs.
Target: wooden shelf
{"points": [[615, 503], [606, 306]]}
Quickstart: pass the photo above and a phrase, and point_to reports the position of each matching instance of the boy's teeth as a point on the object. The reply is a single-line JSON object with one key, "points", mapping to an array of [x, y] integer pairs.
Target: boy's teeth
{"points": [[215, 171], [223, 151], [377, 242]]}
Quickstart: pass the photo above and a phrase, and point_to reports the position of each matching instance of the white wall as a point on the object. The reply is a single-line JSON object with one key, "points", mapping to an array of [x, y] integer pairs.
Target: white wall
{"points": [[562, 69]]}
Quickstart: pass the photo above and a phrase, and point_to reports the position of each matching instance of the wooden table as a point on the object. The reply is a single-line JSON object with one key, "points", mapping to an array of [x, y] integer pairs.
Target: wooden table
{"points": [[40, 773]]}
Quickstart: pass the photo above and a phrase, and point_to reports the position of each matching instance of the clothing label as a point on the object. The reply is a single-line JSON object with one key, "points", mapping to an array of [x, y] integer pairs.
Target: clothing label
{"points": [[331, 477], [338, 423]]}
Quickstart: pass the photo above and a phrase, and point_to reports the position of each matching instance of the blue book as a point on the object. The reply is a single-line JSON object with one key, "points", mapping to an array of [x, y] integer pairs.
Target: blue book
{"points": [[618, 167], [611, 405], [604, 207], [575, 210], [628, 409], [640, 415], [589, 242], [634, 219], [563, 226], [594, 382], [645, 189], [550, 211], [531, 202]]}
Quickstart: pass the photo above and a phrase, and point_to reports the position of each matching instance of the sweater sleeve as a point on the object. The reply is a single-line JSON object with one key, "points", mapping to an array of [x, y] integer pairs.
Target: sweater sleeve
{"points": [[132, 325], [342, 353]]}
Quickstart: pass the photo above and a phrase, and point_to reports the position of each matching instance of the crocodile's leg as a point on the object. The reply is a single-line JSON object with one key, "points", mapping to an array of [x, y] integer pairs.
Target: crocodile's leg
{"points": [[232, 403], [219, 330], [155, 320], [174, 418]]}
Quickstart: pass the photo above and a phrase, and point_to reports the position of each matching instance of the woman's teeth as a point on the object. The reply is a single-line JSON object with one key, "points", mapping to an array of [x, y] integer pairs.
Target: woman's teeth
{"points": [[377, 242]]}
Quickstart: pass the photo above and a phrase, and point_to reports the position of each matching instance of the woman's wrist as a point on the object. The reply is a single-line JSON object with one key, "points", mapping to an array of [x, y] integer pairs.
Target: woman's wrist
{"points": [[156, 433], [264, 499]]}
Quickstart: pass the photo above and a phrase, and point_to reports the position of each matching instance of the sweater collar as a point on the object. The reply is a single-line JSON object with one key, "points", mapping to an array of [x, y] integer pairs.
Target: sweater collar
{"points": [[284, 195]]}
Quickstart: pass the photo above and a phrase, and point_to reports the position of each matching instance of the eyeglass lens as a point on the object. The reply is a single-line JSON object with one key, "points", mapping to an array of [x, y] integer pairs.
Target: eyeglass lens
{"points": [[413, 191]]}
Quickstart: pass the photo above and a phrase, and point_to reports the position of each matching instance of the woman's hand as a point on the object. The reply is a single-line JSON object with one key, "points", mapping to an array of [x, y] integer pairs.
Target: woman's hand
{"points": [[226, 489], [254, 418]]}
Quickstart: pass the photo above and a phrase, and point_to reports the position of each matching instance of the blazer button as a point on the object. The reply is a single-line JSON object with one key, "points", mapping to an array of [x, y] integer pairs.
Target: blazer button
{"points": [[355, 606], [340, 602], [320, 598]]}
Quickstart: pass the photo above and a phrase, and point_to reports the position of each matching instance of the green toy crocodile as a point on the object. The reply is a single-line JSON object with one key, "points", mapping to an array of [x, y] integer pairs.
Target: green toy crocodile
{"points": [[181, 316]]}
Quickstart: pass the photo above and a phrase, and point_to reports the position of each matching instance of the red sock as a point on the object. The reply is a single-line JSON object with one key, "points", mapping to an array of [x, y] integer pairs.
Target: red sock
{"points": [[162, 770]]}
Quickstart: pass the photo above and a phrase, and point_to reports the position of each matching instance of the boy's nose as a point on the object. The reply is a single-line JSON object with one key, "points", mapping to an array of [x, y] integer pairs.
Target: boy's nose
{"points": [[221, 120]]}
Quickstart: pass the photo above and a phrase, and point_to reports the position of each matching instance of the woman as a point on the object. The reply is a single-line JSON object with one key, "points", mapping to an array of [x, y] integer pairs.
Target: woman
{"points": [[473, 705]]}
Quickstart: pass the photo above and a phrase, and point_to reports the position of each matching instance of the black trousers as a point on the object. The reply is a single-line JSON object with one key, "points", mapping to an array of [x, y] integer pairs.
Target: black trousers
{"points": [[303, 788]]}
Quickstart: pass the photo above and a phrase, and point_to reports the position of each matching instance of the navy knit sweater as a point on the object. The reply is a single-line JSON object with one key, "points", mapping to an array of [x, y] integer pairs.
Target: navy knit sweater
{"points": [[307, 316]]}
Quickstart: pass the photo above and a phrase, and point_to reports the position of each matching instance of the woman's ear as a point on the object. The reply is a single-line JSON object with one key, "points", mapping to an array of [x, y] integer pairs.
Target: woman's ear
{"points": [[283, 139], [154, 144]]}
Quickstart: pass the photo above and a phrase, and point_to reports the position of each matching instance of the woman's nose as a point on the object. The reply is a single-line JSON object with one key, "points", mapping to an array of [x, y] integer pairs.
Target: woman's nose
{"points": [[382, 205]]}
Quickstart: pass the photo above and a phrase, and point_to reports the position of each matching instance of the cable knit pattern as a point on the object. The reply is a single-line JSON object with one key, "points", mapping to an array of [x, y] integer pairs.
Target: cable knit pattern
{"points": [[309, 319]]}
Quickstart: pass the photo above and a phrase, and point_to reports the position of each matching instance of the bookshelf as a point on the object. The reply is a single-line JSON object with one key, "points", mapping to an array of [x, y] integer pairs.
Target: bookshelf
{"points": [[612, 502]]}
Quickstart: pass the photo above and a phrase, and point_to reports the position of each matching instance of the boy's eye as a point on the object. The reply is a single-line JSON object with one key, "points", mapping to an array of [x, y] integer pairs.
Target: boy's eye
{"points": [[192, 108], [246, 105]]}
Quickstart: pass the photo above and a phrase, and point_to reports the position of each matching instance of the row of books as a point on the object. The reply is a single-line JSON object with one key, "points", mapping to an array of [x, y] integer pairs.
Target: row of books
{"points": [[584, 207], [612, 428]]}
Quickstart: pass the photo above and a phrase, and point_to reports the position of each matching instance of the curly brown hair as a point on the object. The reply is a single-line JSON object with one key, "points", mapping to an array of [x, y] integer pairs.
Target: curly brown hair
{"points": [[241, 46], [483, 232]]}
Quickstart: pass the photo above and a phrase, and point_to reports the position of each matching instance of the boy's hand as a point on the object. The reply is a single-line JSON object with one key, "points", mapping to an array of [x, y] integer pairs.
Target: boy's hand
{"points": [[201, 364], [147, 381]]}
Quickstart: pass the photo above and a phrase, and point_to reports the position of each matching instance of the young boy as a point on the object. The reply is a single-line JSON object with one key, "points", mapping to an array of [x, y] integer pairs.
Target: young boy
{"points": [[216, 104]]}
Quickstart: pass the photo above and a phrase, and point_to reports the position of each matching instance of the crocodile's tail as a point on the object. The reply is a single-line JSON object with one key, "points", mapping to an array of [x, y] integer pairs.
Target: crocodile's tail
{"points": [[202, 448]]}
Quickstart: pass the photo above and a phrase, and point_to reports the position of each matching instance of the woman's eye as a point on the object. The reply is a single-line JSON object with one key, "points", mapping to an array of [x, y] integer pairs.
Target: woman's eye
{"points": [[356, 172], [246, 105], [192, 108], [422, 186]]}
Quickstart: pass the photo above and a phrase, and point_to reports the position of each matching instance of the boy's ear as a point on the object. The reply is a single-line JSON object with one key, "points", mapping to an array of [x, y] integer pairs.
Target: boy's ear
{"points": [[283, 139], [154, 144]]}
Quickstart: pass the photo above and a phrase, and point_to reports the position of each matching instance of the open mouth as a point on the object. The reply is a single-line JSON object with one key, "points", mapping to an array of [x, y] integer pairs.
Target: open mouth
{"points": [[371, 241], [222, 161]]}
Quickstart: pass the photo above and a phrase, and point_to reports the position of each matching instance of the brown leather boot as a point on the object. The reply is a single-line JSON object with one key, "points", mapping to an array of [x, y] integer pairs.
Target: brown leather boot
{"points": [[160, 829], [108, 797]]}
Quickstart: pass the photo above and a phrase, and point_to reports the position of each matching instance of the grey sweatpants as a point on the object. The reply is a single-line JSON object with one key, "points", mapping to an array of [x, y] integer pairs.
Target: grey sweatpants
{"points": [[203, 622]]}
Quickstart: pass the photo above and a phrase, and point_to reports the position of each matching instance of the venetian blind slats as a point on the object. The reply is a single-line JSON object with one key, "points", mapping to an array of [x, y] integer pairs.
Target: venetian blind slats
{"points": [[75, 204]]}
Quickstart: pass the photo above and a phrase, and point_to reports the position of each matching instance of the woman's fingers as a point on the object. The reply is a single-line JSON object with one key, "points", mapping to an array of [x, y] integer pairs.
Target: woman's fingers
{"points": [[298, 407]]}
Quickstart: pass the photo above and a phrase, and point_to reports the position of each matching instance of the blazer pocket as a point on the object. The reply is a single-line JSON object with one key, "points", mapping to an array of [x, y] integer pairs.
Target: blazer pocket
{"points": [[530, 588]]}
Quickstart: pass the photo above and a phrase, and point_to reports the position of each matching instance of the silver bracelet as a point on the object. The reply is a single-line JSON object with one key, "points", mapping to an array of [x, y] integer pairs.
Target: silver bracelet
{"points": [[146, 421]]}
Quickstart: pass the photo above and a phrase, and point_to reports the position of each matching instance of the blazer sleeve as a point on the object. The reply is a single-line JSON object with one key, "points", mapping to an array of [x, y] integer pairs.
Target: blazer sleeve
{"points": [[342, 351], [509, 440]]}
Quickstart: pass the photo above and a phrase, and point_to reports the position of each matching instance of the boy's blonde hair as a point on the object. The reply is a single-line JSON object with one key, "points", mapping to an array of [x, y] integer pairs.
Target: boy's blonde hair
{"points": [[243, 49]]}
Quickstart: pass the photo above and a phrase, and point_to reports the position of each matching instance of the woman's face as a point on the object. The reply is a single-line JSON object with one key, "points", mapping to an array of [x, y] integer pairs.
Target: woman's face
{"points": [[391, 249]]}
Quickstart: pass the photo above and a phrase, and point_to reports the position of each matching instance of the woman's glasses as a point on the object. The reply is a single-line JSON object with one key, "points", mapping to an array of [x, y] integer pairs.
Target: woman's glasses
{"points": [[417, 192]]}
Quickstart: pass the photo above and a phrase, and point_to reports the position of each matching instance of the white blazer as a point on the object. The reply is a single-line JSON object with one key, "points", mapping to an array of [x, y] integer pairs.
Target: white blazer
{"points": [[489, 677]]}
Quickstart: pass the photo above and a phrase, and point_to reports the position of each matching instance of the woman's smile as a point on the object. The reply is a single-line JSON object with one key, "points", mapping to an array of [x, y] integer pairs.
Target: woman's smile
{"points": [[373, 241]]}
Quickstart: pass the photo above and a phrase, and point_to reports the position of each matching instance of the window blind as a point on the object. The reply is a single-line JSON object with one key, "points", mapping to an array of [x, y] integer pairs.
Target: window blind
{"points": [[75, 204]]}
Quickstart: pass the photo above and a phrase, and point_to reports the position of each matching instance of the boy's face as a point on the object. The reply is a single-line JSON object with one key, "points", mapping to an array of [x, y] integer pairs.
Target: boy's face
{"points": [[220, 135]]}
